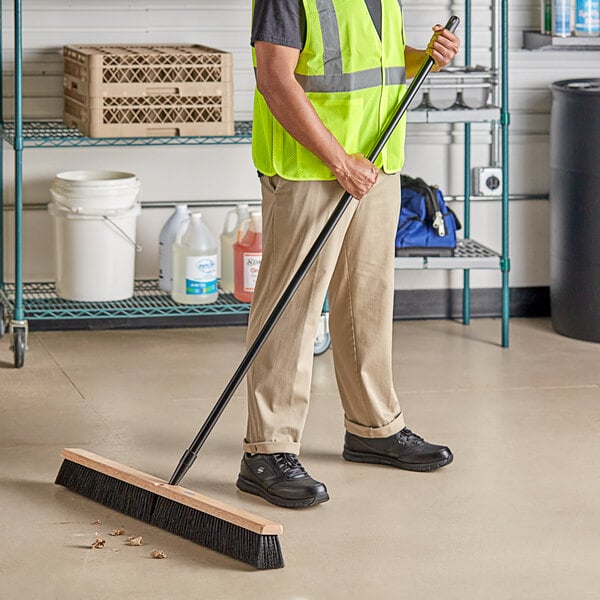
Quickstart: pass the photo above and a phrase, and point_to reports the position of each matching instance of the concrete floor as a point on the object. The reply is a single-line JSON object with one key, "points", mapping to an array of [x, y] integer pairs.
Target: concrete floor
{"points": [[517, 515]]}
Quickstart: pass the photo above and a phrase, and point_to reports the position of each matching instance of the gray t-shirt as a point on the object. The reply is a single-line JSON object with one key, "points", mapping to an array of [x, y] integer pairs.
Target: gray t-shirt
{"points": [[283, 22]]}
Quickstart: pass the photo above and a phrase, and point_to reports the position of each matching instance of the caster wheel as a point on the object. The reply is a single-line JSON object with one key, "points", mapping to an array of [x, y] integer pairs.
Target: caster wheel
{"points": [[322, 344], [322, 338], [19, 347]]}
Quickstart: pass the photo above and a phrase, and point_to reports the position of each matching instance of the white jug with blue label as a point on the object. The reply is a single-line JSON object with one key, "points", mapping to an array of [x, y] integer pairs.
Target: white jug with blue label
{"points": [[165, 246], [194, 263]]}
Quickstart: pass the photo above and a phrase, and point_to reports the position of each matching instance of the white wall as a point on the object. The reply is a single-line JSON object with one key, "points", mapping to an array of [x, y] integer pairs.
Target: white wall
{"points": [[225, 173]]}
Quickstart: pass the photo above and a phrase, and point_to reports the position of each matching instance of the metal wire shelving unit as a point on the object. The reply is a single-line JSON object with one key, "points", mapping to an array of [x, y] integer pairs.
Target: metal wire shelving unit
{"points": [[21, 301]]}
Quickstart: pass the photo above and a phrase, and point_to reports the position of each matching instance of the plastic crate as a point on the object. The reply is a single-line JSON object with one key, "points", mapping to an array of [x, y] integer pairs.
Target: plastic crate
{"points": [[148, 90]]}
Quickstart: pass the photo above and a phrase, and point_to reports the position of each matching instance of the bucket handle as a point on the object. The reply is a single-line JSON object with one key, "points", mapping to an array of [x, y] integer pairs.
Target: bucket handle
{"points": [[137, 247], [78, 210]]}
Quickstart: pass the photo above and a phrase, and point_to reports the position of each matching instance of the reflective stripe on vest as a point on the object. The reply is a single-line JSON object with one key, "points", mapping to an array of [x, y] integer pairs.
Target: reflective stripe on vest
{"points": [[332, 48], [334, 79], [348, 82], [332, 53]]}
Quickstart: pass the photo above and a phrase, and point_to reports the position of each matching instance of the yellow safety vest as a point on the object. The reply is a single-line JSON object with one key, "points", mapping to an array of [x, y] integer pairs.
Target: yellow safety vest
{"points": [[353, 78]]}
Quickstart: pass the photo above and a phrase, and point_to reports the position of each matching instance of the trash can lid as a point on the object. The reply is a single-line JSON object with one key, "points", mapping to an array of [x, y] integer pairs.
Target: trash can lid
{"points": [[583, 86]]}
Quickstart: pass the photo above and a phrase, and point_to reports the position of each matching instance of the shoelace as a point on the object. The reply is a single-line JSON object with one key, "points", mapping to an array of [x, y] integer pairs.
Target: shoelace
{"points": [[408, 437], [290, 465]]}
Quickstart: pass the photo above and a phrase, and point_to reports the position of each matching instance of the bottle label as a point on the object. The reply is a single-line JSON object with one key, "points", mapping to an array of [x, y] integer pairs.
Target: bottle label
{"points": [[587, 16], [201, 275], [562, 18], [251, 267]]}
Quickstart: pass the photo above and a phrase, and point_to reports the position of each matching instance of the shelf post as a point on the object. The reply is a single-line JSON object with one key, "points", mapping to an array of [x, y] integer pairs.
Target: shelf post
{"points": [[18, 147], [505, 121], [1, 158], [467, 176]]}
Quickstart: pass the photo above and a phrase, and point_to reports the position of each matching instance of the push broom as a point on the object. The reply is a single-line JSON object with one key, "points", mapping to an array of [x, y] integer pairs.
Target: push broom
{"points": [[181, 511]]}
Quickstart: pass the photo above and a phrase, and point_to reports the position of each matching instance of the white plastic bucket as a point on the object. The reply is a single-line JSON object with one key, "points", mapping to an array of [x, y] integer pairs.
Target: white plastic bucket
{"points": [[95, 216], [95, 190]]}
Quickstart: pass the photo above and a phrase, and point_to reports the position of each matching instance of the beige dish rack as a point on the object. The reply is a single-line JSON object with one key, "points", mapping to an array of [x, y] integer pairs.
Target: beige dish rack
{"points": [[148, 90]]}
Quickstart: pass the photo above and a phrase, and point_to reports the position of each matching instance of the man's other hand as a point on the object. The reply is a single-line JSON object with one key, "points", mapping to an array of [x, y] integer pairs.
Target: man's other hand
{"points": [[443, 47]]}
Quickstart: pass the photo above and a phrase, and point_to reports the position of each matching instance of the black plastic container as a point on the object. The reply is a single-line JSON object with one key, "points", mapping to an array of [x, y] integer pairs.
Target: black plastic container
{"points": [[575, 208]]}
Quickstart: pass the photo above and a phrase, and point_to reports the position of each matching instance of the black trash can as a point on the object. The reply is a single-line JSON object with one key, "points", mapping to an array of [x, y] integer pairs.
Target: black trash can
{"points": [[575, 208]]}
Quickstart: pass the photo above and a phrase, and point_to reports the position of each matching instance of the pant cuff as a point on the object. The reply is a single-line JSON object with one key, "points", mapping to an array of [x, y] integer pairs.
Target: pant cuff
{"points": [[272, 447], [376, 432]]}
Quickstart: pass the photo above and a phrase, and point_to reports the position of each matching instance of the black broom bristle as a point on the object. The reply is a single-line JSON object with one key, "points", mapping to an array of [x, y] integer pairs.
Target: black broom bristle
{"points": [[109, 491], [260, 551]]}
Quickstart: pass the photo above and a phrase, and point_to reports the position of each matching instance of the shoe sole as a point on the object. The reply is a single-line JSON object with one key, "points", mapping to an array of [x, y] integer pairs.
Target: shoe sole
{"points": [[252, 488], [375, 459]]}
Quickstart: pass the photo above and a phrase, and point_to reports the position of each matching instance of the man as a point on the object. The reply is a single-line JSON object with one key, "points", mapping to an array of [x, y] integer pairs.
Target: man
{"points": [[329, 75]]}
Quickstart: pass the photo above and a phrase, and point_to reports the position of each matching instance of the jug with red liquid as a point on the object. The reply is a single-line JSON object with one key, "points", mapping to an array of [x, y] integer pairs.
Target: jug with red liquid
{"points": [[247, 255]]}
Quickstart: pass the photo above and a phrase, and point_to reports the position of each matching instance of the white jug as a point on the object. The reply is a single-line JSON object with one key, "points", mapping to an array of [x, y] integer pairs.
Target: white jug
{"points": [[165, 246], [194, 263]]}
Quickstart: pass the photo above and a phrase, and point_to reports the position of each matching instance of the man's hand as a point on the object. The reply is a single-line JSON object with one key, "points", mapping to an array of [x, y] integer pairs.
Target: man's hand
{"points": [[443, 47], [356, 174]]}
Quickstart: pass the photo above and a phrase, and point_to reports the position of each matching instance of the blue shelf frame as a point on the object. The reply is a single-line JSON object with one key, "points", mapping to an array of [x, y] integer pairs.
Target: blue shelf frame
{"points": [[504, 120]]}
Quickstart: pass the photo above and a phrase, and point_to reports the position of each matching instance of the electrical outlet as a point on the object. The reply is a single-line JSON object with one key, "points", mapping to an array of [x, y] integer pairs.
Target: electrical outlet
{"points": [[487, 181]]}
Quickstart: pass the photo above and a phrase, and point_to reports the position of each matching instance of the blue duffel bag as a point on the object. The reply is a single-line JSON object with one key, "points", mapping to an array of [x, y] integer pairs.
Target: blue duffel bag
{"points": [[427, 227]]}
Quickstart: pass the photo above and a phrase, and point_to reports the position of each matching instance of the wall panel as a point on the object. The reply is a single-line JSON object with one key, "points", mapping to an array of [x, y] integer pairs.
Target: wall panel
{"points": [[226, 173]]}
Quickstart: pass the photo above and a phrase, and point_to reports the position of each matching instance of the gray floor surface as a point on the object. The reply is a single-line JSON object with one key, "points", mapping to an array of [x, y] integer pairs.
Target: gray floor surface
{"points": [[517, 515]]}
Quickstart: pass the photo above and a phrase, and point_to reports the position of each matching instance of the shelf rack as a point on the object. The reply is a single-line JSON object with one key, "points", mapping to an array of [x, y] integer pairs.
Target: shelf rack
{"points": [[534, 40], [42, 303], [54, 134], [468, 254], [21, 302]]}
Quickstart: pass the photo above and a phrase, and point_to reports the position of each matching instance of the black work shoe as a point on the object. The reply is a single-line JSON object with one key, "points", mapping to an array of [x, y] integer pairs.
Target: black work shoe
{"points": [[280, 479], [405, 450]]}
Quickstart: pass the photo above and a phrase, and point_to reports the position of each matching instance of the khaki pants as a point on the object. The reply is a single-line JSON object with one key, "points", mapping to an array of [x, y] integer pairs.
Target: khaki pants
{"points": [[357, 264]]}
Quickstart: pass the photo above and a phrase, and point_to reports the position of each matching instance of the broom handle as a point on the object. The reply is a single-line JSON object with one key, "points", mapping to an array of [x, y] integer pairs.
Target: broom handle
{"points": [[191, 453]]}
